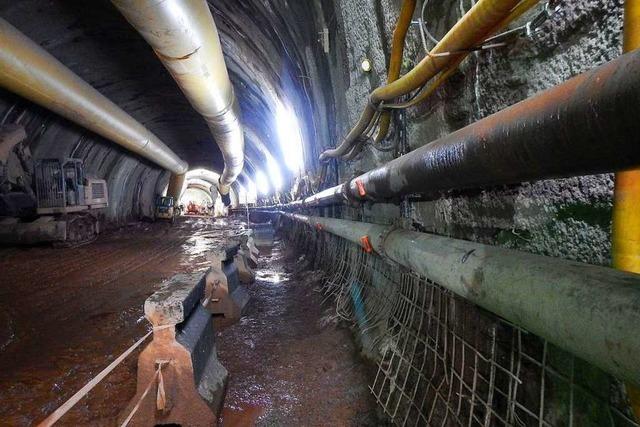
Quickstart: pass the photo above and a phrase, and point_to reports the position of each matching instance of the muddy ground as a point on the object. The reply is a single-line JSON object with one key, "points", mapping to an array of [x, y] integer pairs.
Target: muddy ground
{"points": [[289, 363], [66, 313]]}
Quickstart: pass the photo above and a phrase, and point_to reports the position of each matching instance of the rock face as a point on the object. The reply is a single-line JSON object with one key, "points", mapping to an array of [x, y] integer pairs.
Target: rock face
{"points": [[568, 218]]}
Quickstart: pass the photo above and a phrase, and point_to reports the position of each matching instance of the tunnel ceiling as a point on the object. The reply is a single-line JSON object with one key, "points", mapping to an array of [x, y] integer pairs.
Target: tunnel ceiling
{"points": [[264, 47]]}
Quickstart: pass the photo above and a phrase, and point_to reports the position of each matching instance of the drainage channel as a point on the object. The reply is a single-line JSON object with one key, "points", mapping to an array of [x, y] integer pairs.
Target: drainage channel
{"points": [[290, 362]]}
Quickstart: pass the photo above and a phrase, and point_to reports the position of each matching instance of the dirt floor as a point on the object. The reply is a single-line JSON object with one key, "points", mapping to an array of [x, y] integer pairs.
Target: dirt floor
{"points": [[67, 313], [289, 364]]}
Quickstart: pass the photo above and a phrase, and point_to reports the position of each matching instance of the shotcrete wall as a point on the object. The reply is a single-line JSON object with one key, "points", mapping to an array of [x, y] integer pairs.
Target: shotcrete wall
{"points": [[567, 218], [132, 181]]}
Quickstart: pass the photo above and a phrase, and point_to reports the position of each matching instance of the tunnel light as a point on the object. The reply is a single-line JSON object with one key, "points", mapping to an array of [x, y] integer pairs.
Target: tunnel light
{"points": [[247, 192], [251, 188], [262, 183], [274, 173], [366, 65], [290, 138]]}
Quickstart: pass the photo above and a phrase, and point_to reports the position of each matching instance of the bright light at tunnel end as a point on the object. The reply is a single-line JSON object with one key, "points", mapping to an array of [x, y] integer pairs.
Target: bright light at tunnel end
{"points": [[274, 173], [290, 139], [247, 192], [262, 183]]}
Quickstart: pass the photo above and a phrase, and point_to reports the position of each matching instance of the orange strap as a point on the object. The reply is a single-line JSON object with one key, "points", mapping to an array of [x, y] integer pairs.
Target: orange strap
{"points": [[361, 190], [366, 244]]}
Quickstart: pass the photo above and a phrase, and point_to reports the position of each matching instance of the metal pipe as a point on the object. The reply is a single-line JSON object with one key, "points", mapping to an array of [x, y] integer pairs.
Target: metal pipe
{"points": [[29, 71], [475, 26], [625, 230], [587, 310], [184, 37], [233, 192], [580, 127], [176, 186]]}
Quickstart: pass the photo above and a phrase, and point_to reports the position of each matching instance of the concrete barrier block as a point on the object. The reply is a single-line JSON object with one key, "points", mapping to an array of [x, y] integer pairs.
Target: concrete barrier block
{"points": [[183, 347], [229, 296]]}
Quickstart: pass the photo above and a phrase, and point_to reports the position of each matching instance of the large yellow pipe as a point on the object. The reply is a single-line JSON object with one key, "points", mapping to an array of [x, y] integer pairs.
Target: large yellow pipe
{"points": [[518, 11], [395, 60], [471, 29], [29, 71], [625, 239], [475, 26]]}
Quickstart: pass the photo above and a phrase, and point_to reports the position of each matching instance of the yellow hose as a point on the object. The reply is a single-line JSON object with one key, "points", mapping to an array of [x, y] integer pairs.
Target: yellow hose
{"points": [[625, 233], [395, 61], [475, 26], [520, 9]]}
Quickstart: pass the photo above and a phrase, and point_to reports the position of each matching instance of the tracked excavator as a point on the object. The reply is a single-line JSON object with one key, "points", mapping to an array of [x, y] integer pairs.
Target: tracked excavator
{"points": [[67, 206]]}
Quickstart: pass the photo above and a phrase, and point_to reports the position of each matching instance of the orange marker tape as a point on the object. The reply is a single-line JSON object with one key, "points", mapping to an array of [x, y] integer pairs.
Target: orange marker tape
{"points": [[361, 191], [366, 244]]}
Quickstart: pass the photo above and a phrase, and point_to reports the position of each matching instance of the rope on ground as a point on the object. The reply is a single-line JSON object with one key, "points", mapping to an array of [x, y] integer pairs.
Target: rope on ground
{"points": [[161, 394], [65, 407]]}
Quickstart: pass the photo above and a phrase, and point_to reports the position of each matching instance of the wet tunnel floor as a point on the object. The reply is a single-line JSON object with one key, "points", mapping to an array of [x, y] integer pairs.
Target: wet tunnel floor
{"points": [[67, 313], [289, 364]]}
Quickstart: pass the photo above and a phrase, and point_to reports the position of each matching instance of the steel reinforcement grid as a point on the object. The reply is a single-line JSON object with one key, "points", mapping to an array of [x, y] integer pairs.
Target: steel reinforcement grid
{"points": [[443, 361]]}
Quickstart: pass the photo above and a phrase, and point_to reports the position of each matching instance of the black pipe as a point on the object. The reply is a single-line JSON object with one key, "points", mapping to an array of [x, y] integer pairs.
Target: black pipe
{"points": [[587, 125]]}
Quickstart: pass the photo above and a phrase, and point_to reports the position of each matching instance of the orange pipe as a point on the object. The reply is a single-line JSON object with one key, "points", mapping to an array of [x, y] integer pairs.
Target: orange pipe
{"points": [[625, 233]]}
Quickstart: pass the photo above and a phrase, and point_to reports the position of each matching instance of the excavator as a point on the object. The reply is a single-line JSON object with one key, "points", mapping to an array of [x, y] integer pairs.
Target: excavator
{"points": [[67, 204], [166, 209]]}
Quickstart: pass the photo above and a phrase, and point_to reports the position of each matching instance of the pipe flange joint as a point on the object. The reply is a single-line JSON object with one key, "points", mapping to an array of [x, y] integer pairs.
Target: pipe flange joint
{"points": [[383, 239]]}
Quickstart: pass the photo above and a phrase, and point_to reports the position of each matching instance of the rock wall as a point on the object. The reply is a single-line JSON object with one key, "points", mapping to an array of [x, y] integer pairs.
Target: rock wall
{"points": [[567, 218]]}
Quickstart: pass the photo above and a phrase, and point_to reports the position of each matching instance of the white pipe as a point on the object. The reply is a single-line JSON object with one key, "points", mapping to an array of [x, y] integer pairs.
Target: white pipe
{"points": [[183, 35], [29, 71]]}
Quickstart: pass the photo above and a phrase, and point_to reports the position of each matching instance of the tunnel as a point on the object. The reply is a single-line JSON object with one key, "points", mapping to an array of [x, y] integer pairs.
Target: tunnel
{"points": [[319, 213]]}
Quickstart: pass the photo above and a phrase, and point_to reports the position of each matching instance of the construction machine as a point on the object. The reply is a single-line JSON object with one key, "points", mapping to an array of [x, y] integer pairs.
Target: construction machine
{"points": [[166, 209], [67, 206]]}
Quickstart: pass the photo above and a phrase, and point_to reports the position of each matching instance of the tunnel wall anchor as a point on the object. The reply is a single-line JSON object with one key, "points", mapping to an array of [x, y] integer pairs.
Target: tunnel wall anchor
{"points": [[184, 343]]}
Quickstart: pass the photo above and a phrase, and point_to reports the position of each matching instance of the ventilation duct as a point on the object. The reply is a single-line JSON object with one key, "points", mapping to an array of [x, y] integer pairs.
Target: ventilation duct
{"points": [[29, 71], [183, 35]]}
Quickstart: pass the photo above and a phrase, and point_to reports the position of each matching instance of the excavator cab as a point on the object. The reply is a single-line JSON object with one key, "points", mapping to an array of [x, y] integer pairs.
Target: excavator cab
{"points": [[166, 209], [68, 206]]}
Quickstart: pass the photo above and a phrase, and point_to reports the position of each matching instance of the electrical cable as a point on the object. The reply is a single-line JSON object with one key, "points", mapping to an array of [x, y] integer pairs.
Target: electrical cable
{"points": [[499, 40], [424, 24]]}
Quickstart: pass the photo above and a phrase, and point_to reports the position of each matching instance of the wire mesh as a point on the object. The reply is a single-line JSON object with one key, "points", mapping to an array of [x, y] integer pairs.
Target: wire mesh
{"points": [[443, 361]]}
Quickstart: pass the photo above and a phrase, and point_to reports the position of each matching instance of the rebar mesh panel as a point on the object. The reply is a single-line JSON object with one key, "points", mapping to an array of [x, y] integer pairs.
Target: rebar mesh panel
{"points": [[443, 361]]}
